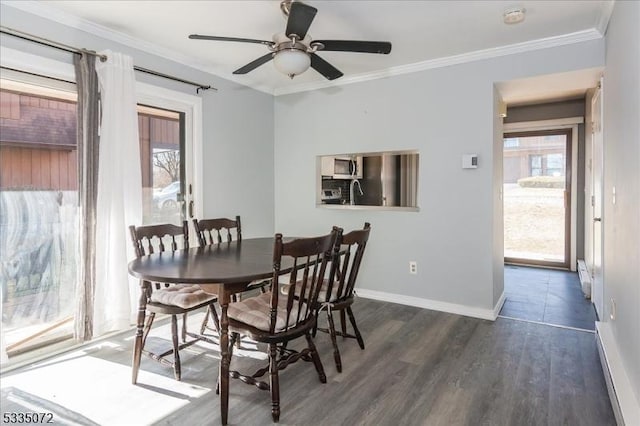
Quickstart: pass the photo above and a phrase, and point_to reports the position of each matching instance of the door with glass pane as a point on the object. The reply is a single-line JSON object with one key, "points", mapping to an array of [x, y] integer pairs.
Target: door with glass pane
{"points": [[537, 183], [162, 152], [38, 211]]}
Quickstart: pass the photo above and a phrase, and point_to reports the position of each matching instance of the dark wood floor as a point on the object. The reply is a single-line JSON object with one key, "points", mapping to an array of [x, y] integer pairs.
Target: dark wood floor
{"points": [[419, 367]]}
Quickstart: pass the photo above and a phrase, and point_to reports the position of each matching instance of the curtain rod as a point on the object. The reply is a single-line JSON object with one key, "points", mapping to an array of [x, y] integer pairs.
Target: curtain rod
{"points": [[60, 46]]}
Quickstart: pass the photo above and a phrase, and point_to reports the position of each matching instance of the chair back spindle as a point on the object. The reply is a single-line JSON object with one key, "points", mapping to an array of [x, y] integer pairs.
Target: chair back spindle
{"points": [[304, 281], [352, 245], [149, 239], [211, 231]]}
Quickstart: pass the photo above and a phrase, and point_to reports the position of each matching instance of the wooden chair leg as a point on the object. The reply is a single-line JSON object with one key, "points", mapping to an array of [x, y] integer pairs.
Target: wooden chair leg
{"points": [[205, 320], [314, 331], [137, 354], [139, 340], [138, 346], [274, 382], [283, 348], [315, 358], [355, 327], [147, 327], [235, 337], [216, 319], [332, 333], [232, 342], [211, 310], [343, 322], [176, 345], [184, 328]]}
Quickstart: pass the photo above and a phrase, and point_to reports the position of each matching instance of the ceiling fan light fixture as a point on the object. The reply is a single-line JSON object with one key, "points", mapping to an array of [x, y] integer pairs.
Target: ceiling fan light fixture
{"points": [[294, 51], [513, 15], [291, 62]]}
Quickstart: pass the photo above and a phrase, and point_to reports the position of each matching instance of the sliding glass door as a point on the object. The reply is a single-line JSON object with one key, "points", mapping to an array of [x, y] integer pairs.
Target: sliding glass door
{"points": [[38, 212], [537, 183]]}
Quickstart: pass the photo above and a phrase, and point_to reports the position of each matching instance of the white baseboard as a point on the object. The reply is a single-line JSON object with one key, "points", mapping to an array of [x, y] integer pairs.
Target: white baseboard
{"points": [[498, 307], [452, 308], [623, 401]]}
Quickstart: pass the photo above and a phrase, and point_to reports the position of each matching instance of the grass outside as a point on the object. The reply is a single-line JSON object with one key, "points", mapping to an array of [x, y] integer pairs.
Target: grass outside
{"points": [[534, 225]]}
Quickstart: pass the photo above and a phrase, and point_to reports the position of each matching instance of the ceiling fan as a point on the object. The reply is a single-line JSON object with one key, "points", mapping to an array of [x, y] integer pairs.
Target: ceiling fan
{"points": [[294, 50]]}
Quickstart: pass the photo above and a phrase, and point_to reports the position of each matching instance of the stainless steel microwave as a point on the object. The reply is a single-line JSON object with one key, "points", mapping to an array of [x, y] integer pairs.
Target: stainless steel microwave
{"points": [[342, 167]]}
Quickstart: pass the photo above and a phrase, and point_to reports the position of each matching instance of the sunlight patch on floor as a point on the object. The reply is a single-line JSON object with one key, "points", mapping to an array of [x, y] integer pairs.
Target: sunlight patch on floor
{"points": [[72, 383]]}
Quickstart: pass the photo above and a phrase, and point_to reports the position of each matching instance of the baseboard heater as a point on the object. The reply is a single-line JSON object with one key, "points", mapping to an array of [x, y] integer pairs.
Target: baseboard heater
{"points": [[585, 278]]}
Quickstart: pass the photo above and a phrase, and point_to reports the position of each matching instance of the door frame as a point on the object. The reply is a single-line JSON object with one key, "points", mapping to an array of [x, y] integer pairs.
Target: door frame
{"points": [[594, 204], [558, 124]]}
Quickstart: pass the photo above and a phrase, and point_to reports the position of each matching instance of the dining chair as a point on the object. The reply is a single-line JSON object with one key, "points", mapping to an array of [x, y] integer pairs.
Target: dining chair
{"points": [[212, 231], [169, 299], [337, 295], [275, 319]]}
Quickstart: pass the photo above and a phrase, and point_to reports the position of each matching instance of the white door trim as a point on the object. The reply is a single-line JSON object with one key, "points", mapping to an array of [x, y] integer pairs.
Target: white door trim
{"points": [[525, 126], [597, 209]]}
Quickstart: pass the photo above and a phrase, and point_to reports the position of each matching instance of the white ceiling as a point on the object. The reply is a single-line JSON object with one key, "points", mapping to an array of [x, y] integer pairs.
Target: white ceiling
{"points": [[424, 34]]}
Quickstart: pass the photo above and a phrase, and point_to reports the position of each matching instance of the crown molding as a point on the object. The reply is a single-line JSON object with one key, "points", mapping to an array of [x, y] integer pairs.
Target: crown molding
{"points": [[605, 15], [528, 46], [40, 9], [43, 10]]}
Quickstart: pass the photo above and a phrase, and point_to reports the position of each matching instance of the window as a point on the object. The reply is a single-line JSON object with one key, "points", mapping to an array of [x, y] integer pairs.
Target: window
{"points": [[161, 162], [555, 165], [547, 164], [535, 165], [511, 143]]}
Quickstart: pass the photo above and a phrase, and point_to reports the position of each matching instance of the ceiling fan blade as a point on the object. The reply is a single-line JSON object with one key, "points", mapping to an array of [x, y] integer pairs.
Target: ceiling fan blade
{"points": [[324, 67], [254, 64], [383, 47], [242, 40], [300, 19]]}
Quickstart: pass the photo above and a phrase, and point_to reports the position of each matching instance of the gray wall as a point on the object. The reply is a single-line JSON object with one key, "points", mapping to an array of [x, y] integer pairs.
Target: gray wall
{"points": [[621, 132], [555, 110], [237, 129], [444, 113]]}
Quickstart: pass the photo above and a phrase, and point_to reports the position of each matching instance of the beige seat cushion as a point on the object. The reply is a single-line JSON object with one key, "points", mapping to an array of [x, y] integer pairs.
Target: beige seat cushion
{"points": [[254, 311], [184, 296], [322, 297]]}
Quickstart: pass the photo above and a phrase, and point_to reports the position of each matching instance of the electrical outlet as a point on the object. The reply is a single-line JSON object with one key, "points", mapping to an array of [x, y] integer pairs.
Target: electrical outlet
{"points": [[413, 267]]}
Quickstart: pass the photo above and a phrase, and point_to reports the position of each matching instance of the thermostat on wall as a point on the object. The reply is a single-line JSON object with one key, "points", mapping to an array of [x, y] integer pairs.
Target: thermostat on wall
{"points": [[470, 161]]}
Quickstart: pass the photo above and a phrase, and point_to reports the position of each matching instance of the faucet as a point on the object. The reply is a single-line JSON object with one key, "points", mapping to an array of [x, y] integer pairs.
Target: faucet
{"points": [[352, 185]]}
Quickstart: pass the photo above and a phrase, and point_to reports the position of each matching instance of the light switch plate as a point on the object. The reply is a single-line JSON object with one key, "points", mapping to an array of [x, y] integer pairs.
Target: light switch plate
{"points": [[470, 161]]}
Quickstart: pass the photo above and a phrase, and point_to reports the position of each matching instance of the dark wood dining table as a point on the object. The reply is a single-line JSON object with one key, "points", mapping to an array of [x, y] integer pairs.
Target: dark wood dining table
{"points": [[223, 269]]}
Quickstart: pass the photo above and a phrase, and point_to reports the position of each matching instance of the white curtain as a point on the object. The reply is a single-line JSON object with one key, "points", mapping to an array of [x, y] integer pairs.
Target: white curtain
{"points": [[3, 348], [119, 194]]}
